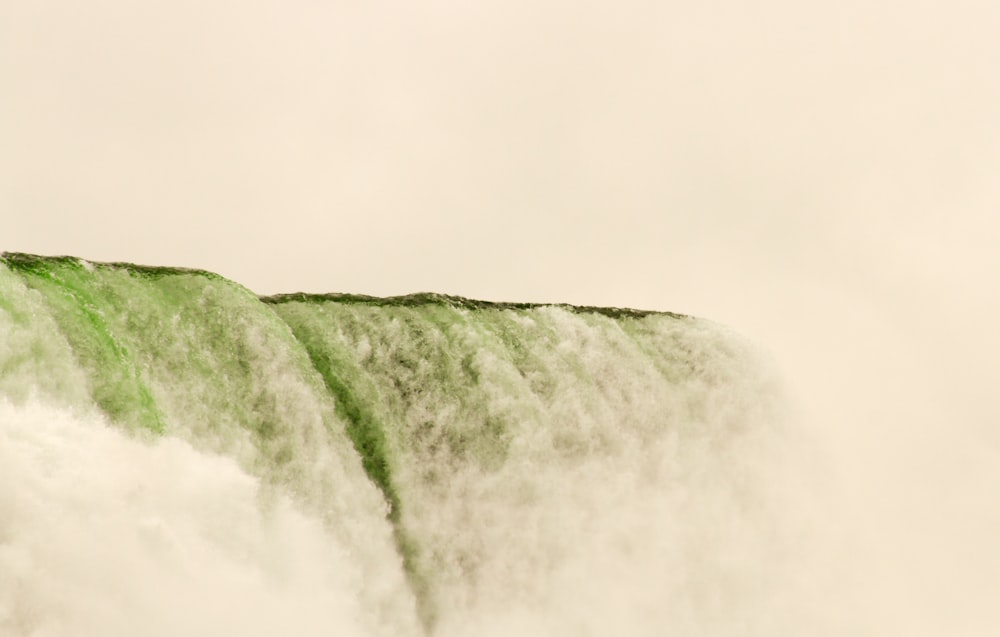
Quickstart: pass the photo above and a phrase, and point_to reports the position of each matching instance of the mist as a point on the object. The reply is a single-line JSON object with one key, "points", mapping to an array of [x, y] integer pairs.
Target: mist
{"points": [[820, 178]]}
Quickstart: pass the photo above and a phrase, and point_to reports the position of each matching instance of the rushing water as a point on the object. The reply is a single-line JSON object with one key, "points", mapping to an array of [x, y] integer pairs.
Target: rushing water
{"points": [[179, 456]]}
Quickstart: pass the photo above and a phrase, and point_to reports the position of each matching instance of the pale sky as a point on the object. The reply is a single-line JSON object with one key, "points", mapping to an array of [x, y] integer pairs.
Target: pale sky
{"points": [[822, 176], [651, 154]]}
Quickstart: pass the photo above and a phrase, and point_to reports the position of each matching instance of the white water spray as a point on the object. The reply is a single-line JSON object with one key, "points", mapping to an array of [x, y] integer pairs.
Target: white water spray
{"points": [[106, 536]]}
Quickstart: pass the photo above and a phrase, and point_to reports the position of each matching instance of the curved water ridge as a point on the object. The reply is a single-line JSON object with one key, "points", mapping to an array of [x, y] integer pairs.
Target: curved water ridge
{"points": [[188, 354], [485, 467]]}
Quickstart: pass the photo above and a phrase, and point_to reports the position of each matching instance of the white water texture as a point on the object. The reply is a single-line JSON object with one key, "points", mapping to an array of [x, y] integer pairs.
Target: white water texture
{"points": [[106, 536], [179, 458]]}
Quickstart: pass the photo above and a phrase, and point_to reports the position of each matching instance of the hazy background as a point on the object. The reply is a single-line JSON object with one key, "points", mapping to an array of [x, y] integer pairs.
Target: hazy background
{"points": [[823, 177]]}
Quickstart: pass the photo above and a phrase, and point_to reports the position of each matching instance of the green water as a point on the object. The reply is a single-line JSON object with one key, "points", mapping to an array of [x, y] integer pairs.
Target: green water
{"points": [[469, 453]]}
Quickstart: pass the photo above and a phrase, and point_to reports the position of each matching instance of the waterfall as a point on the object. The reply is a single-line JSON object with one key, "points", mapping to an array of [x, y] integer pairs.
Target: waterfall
{"points": [[179, 456]]}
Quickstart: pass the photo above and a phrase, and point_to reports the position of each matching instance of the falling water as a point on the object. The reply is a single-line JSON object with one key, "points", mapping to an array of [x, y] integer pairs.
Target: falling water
{"points": [[179, 456]]}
